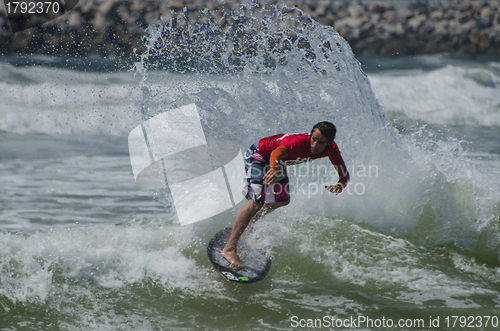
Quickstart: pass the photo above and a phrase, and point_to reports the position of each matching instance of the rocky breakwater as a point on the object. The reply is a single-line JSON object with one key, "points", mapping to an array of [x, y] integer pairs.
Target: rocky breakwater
{"points": [[117, 27], [413, 27]]}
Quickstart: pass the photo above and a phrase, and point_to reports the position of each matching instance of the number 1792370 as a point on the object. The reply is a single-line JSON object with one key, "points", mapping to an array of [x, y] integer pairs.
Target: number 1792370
{"points": [[34, 7], [471, 321]]}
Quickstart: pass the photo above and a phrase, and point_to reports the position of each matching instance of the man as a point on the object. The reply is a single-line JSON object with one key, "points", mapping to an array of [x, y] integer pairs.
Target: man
{"points": [[267, 181]]}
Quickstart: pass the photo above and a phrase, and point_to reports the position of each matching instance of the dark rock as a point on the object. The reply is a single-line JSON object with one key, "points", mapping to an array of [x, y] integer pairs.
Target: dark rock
{"points": [[116, 27], [415, 22]]}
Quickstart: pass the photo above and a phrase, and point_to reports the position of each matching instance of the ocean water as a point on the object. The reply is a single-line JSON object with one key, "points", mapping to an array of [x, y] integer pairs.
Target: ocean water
{"points": [[412, 243]]}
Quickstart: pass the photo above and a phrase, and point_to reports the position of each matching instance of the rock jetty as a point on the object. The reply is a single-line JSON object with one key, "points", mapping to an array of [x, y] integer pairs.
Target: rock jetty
{"points": [[116, 27]]}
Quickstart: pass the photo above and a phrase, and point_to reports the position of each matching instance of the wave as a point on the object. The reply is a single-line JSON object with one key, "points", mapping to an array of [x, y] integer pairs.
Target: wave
{"points": [[287, 77], [413, 201], [259, 71], [44, 100], [452, 95]]}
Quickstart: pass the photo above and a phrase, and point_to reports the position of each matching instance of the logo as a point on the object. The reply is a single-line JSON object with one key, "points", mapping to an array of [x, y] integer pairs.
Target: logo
{"points": [[171, 150], [287, 135], [229, 276], [25, 14], [296, 161]]}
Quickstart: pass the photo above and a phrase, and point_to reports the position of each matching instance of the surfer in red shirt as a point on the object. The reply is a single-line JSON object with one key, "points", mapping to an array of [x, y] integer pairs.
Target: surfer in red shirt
{"points": [[267, 181]]}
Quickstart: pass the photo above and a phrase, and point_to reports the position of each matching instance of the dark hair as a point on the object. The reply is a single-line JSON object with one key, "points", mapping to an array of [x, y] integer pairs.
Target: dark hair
{"points": [[327, 129]]}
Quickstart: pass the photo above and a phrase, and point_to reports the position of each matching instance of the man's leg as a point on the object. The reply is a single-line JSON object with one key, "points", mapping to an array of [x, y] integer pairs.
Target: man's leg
{"points": [[251, 212], [266, 209], [241, 222]]}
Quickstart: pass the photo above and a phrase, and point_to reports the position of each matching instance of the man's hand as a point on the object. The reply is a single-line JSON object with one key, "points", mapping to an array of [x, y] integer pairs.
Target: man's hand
{"points": [[335, 188], [270, 176]]}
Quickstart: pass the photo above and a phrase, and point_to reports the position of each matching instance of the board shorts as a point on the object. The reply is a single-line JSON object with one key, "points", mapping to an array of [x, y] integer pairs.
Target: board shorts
{"points": [[256, 167]]}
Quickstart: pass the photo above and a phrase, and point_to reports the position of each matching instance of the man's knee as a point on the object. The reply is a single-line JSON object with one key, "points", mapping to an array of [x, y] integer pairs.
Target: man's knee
{"points": [[253, 206], [285, 203], [279, 204]]}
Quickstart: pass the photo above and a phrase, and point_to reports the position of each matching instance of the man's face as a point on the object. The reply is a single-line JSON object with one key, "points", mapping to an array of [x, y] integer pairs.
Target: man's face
{"points": [[318, 142]]}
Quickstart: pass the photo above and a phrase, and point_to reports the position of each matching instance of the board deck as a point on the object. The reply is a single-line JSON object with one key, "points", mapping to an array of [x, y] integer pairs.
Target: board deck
{"points": [[257, 262]]}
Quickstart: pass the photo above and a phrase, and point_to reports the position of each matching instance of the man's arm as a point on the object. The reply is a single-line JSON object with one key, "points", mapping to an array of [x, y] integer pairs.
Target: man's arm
{"points": [[274, 162], [344, 176]]}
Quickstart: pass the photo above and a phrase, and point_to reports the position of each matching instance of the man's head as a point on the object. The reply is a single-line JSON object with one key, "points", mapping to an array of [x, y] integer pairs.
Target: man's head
{"points": [[322, 135], [327, 129]]}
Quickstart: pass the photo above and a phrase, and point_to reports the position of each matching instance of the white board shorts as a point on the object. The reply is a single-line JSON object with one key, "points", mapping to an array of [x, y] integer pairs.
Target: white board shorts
{"points": [[256, 167]]}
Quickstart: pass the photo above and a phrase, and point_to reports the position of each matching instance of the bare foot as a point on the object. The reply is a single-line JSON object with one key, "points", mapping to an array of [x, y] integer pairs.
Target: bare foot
{"points": [[232, 257]]}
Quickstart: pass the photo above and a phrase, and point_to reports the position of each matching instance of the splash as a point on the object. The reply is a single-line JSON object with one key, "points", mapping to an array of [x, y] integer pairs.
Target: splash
{"points": [[275, 52], [254, 72], [260, 70]]}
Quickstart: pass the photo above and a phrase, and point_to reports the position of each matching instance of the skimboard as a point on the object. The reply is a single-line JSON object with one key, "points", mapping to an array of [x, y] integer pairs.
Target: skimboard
{"points": [[257, 262]]}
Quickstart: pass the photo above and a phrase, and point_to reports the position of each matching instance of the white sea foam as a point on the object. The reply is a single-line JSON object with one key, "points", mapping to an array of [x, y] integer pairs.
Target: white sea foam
{"points": [[55, 101], [450, 95], [33, 265], [395, 236]]}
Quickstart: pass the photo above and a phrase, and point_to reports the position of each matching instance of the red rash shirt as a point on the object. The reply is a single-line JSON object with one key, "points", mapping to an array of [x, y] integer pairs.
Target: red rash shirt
{"points": [[295, 148]]}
